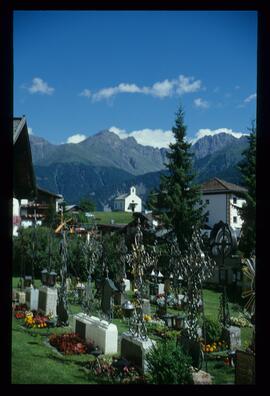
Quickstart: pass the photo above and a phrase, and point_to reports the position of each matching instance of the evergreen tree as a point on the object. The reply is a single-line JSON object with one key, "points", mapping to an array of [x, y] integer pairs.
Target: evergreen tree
{"points": [[178, 200], [248, 212], [87, 205]]}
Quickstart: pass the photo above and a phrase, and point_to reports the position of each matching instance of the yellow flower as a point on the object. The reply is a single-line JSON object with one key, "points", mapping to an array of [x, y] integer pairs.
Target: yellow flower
{"points": [[211, 349]]}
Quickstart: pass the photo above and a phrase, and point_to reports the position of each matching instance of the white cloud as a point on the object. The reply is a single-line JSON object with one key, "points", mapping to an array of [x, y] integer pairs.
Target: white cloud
{"points": [[147, 137], [187, 85], [199, 102], [86, 92], [76, 138], [250, 98], [106, 93], [208, 132], [40, 86], [160, 89]]}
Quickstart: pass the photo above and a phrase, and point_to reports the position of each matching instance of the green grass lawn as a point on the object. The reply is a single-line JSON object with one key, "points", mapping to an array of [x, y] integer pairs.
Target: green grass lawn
{"points": [[116, 217], [34, 362]]}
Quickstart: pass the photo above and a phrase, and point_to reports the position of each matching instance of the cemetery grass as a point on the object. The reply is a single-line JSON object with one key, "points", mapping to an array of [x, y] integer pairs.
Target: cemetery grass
{"points": [[34, 362]]}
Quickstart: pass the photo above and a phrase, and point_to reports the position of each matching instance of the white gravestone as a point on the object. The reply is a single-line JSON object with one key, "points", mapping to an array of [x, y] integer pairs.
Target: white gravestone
{"points": [[127, 284], [160, 288], [47, 300], [103, 334], [180, 298], [135, 349], [32, 298], [235, 337], [20, 296]]}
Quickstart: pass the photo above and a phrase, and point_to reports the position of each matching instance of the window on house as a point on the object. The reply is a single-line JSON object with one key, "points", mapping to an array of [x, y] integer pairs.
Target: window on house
{"points": [[207, 201], [234, 200], [235, 219]]}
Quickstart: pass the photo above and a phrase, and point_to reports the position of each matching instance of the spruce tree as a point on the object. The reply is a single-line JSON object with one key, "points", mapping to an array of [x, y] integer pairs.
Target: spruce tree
{"points": [[178, 200], [248, 212]]}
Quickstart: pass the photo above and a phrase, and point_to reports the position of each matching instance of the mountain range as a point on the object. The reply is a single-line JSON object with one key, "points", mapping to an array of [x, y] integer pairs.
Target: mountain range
{"points": [[104, 166]]}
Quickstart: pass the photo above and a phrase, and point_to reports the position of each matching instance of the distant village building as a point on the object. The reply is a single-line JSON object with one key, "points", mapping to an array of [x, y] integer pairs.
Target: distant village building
{"points": [[222, 201], [128, 202], [72, 209]]}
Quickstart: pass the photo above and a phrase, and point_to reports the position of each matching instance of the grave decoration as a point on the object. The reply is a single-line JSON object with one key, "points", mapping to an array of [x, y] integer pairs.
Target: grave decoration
{"points": [[245, 360], [62, 307], [108, 291], [194, 266], [223, 243], [139, 260], [121, 281], [92, 251], [135, 343]]}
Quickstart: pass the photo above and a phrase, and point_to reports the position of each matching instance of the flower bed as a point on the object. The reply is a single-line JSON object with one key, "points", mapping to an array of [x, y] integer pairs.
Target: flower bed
{"points": [[19, 315], [114, 370], [20, 307], [70, 344], [35, 320], [218, 346]]}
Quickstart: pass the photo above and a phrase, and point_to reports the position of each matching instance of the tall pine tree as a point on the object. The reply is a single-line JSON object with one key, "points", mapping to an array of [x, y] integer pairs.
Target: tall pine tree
{"points": [[178, 200], [247, 167]]}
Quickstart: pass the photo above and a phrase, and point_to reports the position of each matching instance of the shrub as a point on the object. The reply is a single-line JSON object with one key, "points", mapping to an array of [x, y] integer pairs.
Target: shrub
{"points": [[211, 330], [118, 312], [167, 364]]}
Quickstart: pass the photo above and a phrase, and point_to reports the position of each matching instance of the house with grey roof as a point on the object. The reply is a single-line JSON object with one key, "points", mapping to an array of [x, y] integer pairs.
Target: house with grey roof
{"points": [[128, 202]]}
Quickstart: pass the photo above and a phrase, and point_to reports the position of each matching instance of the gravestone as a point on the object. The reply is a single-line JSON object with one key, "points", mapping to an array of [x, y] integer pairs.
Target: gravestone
{"points": [[180, 298], [160, 288], [62, 313], [146, 307], [47, 300], [232, 336], [103, 334], [118, 298], [68, 284], [32, 298], [106, 299], [127, 284], [134, 349], [245, 368], [21, 297], [146, 290]]}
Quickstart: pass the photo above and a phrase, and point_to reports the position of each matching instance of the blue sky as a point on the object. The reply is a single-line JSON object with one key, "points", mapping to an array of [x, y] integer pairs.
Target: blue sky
{"points": [[79, 72]]}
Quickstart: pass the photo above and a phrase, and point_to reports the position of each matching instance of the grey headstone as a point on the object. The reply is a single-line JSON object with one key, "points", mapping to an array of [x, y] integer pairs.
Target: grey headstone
{"points": [[106, 300], [135, 350], [146, 307]]}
